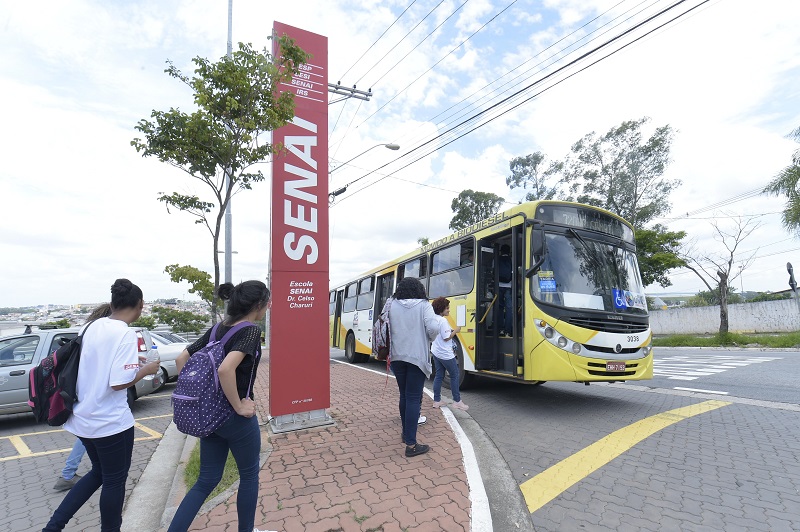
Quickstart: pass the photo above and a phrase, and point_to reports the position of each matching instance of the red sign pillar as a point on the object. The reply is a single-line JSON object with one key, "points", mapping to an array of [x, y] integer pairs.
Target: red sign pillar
{"points": [[299, 373]]}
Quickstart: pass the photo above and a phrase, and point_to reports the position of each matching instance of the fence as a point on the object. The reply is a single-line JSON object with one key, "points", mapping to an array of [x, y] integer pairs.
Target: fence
{"points": [[762, 317]]}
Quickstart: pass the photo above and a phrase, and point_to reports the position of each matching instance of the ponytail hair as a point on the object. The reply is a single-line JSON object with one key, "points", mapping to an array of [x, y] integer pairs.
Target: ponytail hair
{"points": [[243, 298]]}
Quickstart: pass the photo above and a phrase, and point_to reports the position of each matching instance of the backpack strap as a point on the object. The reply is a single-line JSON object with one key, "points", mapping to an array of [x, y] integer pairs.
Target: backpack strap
{"points": [[236, 328]]}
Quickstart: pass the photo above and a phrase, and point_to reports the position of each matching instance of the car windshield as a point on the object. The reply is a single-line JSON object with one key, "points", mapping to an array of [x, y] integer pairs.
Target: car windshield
{"points": [[582, 273]]}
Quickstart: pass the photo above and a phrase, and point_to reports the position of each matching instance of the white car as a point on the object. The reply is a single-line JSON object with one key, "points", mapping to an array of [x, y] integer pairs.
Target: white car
{"points": [[20, 353], [168, 351]]}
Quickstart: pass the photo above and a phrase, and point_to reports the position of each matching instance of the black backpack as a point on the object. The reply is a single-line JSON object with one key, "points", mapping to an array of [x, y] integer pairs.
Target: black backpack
{"points": [[52, 384]]}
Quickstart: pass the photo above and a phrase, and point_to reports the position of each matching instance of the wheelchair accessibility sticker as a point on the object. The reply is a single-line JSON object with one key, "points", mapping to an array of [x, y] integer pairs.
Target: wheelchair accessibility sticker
{"points": [[625, 299]]}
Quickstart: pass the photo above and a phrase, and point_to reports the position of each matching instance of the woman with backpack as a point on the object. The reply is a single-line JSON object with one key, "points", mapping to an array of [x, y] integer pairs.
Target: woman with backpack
{"points": [[247, 303], [101, 418], [413, 324]]}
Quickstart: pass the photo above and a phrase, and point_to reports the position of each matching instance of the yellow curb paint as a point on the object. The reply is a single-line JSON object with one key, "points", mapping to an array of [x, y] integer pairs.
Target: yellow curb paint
{"points": [[20, 445], [550, 483]]}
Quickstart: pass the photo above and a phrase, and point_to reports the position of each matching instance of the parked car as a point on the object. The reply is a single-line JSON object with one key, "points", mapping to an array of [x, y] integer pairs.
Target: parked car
{"points": [[20, 353], [168, 351]]}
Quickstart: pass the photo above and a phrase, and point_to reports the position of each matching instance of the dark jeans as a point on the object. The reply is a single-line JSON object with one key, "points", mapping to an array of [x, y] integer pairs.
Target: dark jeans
{"points": [[111, 460], [451, 365], [410, 381], [242, 437], [506, 311]]}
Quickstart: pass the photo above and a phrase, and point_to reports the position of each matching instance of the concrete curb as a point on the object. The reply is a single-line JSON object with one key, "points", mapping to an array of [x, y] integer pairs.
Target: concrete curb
{"points": [[155, 492], [143, 510]]}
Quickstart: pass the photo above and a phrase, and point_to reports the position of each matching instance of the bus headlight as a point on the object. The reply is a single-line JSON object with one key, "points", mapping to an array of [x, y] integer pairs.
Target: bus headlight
{"points": [[549, 332], [646, 350], [562, 342], [576, 348]]}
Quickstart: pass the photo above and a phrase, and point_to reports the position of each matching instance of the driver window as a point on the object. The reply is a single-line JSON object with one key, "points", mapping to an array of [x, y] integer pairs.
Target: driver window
{"points": [[18, 351]]}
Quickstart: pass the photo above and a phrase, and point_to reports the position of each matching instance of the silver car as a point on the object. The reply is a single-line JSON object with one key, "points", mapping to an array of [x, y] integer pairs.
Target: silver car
{"points": [[20, 353]]}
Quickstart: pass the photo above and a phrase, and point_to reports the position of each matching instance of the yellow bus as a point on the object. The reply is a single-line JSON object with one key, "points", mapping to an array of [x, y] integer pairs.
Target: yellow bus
{"points": [[578, 312]]}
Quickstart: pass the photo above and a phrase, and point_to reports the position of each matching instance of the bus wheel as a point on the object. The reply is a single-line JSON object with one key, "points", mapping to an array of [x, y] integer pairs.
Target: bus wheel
{"points": [[464, 380], [350, 349]]}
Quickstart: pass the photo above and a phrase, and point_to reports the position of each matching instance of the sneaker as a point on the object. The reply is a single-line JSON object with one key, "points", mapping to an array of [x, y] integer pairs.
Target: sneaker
{"points": [[417, 450], [422, 420], [438, 404], [63, 484], [460, 405]]}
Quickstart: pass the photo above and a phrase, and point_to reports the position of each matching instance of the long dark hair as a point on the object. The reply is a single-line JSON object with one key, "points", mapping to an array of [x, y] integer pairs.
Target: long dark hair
{"points": [[243, 298], [103, 311], [125, 294], [410, 288]]}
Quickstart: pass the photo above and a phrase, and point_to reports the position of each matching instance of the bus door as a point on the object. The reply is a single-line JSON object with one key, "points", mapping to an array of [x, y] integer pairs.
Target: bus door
{"points": [[337, 319], [385, 290], [499, 339]]}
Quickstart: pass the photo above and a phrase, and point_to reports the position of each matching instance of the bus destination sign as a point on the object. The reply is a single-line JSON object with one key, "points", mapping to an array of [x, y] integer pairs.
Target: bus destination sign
{"points": [[584, 218]]}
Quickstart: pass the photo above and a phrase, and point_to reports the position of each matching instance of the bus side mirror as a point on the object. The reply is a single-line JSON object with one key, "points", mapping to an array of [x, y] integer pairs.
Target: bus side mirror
{"points": [[538, 248]]}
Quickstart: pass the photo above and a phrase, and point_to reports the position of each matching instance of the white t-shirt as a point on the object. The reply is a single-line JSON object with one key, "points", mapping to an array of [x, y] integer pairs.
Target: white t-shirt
{"points": [[441, 348], [109, 357]]}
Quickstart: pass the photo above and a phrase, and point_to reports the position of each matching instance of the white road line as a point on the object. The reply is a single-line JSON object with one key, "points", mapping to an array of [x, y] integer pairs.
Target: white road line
{"points": [[700, 391]]}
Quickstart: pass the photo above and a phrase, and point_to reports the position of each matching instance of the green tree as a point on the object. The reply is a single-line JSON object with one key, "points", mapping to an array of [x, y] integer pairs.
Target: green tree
{"points": [[621, 171], [199, 280], [237, 99], [786, 184], [180, 320], [423, 241], [658, 251], [62, 323], [528, 173], [716, 268], [145, 322], [470, 207]]}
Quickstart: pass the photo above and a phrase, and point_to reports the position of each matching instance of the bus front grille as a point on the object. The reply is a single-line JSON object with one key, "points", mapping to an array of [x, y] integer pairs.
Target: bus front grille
{"points": [[625, 327]]}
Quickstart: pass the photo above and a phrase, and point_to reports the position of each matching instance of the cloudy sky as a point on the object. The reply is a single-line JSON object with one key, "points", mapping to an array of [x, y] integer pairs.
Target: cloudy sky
{"points": [[79, 204]]}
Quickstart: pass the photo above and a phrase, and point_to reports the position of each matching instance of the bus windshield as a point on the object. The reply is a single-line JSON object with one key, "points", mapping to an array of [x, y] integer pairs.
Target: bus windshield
{"points": [[582, 273]]}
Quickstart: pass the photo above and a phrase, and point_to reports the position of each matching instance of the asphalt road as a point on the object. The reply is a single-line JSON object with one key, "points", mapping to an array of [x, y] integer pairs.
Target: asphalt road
{"points": [[711, 443]]}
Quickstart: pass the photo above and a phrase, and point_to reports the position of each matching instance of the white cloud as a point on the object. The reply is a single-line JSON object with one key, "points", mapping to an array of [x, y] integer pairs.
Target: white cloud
{"points": [[81, 203]]}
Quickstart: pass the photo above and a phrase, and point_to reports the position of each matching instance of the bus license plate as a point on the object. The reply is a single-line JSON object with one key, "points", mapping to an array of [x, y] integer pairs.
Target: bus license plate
{"points": [[615, 366]]}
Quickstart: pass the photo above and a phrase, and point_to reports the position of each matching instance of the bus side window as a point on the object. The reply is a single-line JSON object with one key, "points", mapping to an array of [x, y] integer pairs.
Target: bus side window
{"points": [[350, 297], [366, 293]]}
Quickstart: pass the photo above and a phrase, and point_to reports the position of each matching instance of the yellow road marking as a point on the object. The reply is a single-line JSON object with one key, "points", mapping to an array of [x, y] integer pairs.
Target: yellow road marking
{"points": [[19, 445], [550, 483], [25, 451]]}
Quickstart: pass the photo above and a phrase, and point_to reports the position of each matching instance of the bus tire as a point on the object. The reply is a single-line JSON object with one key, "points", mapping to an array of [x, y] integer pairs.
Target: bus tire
{"points": [[350, 349], [464, 380]]}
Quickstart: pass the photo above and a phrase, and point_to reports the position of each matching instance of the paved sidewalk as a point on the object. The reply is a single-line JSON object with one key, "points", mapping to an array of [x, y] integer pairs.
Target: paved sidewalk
{"points": [[353, 475]]}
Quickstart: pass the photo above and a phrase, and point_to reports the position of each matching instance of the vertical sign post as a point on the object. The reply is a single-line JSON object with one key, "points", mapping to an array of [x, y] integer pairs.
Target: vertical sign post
{"points": [[299, 372]]}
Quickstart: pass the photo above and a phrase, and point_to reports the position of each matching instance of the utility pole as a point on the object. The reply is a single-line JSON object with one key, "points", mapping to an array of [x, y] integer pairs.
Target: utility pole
{"points": [[347, 92], [227, 180]]}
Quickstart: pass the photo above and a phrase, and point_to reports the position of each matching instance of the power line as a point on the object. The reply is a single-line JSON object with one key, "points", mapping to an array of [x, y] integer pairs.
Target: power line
{"points": [[448, 54], [378, 39], [532, 85]]}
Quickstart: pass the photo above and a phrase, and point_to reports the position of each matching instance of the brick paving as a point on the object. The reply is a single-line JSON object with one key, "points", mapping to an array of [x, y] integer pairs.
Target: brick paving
{"points": [[354, 476]]}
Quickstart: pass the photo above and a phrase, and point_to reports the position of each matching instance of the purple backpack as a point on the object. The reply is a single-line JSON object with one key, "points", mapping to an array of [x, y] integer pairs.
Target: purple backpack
{"points": [[199, 403]]}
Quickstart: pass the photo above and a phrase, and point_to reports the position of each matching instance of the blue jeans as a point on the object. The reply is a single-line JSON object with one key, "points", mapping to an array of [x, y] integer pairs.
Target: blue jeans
{"points": [[410, 381], [506, 310], [111, 460], [451, 365], [73, 460], [242, 437]]}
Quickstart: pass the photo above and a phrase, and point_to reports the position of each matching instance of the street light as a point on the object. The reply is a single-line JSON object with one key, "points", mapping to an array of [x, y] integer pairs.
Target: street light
{"points": [[390, 146]]}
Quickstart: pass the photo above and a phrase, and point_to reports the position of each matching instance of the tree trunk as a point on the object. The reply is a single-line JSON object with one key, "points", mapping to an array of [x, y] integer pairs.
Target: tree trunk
{"points": [[723, 302], [215, 299]]}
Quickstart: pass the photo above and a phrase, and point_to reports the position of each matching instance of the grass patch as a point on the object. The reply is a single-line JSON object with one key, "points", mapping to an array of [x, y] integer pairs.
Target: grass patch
{"points": [[192, 471], [782, 340]]}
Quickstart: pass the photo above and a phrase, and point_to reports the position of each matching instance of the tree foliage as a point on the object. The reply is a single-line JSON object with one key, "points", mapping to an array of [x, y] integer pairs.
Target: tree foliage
{"points": [[180, 320], [237, 99], [62, 323], [423, 241], [199, 281], [787, 184], [528, 173], [621, 171], [145, 322], [716, 268], [470, 207], [658, 251]]}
